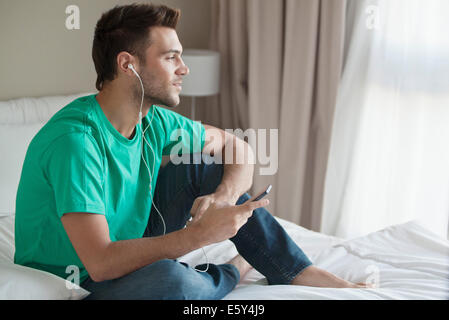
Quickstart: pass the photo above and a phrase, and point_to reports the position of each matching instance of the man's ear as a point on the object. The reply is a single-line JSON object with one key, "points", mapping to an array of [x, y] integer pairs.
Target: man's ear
{"points": [[124, 59]]}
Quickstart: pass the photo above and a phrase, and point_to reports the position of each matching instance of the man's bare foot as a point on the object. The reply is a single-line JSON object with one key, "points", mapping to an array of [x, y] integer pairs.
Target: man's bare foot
{"points": [[316, 277], [241, 264]]}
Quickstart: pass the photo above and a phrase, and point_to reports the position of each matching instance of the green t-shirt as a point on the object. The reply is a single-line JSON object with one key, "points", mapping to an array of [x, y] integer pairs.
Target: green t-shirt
{"points": [[78, 162]]}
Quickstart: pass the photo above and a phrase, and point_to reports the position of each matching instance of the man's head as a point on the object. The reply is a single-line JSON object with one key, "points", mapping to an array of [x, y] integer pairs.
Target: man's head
{"points": [[142, 35]]}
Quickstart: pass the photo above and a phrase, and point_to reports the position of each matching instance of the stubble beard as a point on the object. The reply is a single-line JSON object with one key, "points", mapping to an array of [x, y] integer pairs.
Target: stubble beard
{"points": [[156, 94]]}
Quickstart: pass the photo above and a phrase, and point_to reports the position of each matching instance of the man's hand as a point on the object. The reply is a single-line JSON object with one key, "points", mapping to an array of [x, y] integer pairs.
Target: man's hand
{"points": [[201, 204], [221, 221]]}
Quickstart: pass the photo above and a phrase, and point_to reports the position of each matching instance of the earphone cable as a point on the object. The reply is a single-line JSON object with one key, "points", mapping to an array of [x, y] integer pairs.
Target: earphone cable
{"points": [[146, 165]]}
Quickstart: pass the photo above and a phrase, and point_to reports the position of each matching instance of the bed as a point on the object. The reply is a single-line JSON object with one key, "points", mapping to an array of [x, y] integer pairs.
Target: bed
{"points": [[405, 261]]}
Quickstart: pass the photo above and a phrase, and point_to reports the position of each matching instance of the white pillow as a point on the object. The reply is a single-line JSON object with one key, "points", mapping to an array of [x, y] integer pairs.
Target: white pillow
{"points": [[14, 141], [21, 283], [7, 245], [33, 110]]}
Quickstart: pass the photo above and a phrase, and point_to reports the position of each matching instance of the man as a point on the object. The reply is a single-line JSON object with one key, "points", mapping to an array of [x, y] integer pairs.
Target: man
{"points": [[85, 197]]}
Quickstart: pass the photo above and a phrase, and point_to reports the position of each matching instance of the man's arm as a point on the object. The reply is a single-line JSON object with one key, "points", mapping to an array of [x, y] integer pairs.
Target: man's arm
{"points": [[105, 259], [238, 159]]}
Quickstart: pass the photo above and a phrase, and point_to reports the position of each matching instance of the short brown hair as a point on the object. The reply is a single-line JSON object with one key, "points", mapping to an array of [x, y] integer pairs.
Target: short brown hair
{"points": [[125, 28]]}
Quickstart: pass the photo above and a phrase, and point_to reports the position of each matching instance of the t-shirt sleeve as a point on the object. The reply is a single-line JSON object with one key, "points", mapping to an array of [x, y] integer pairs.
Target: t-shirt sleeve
{"points": [[75, 171], [182, 135]]}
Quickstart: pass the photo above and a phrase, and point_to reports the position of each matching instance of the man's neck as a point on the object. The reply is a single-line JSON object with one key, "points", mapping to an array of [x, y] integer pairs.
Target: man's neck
{"points": [[121, 109]]}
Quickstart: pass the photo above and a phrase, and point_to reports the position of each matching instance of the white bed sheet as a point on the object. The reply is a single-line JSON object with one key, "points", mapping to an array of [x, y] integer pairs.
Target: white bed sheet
{"points": [[407, 262]]}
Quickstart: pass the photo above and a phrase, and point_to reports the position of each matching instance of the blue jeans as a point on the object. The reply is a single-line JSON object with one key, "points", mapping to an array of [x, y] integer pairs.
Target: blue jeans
{"points": [[261, 241]]}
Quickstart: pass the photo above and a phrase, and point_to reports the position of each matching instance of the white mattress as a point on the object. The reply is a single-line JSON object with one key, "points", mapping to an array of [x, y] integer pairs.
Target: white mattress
{"points": [[407, 262]]}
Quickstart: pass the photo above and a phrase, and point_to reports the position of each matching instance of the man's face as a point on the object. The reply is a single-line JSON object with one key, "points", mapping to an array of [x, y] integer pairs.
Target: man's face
{"points": [[162, 74]]}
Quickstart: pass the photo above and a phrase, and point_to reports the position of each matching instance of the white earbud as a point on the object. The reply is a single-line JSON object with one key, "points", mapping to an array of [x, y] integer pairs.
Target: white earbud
{"points": [[134, 70]]}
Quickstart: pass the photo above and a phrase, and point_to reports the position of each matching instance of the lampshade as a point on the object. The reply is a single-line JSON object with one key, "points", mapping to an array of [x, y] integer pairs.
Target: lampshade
{"points": [[204, 76]]}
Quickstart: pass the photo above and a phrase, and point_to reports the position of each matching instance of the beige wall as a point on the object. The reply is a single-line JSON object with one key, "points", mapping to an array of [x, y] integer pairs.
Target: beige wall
{"points": [[39, 56]]}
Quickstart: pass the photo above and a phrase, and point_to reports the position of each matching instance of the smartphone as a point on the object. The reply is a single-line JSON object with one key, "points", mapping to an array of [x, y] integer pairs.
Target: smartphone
{"points": [[263, 194]]}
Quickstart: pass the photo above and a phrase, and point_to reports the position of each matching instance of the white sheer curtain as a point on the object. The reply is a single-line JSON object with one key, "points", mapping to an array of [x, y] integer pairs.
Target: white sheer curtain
{"points": [[389, 157]]}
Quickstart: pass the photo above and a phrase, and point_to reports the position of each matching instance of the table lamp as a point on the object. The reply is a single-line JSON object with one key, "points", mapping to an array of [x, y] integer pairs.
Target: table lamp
{"points": [[204, 76]]}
